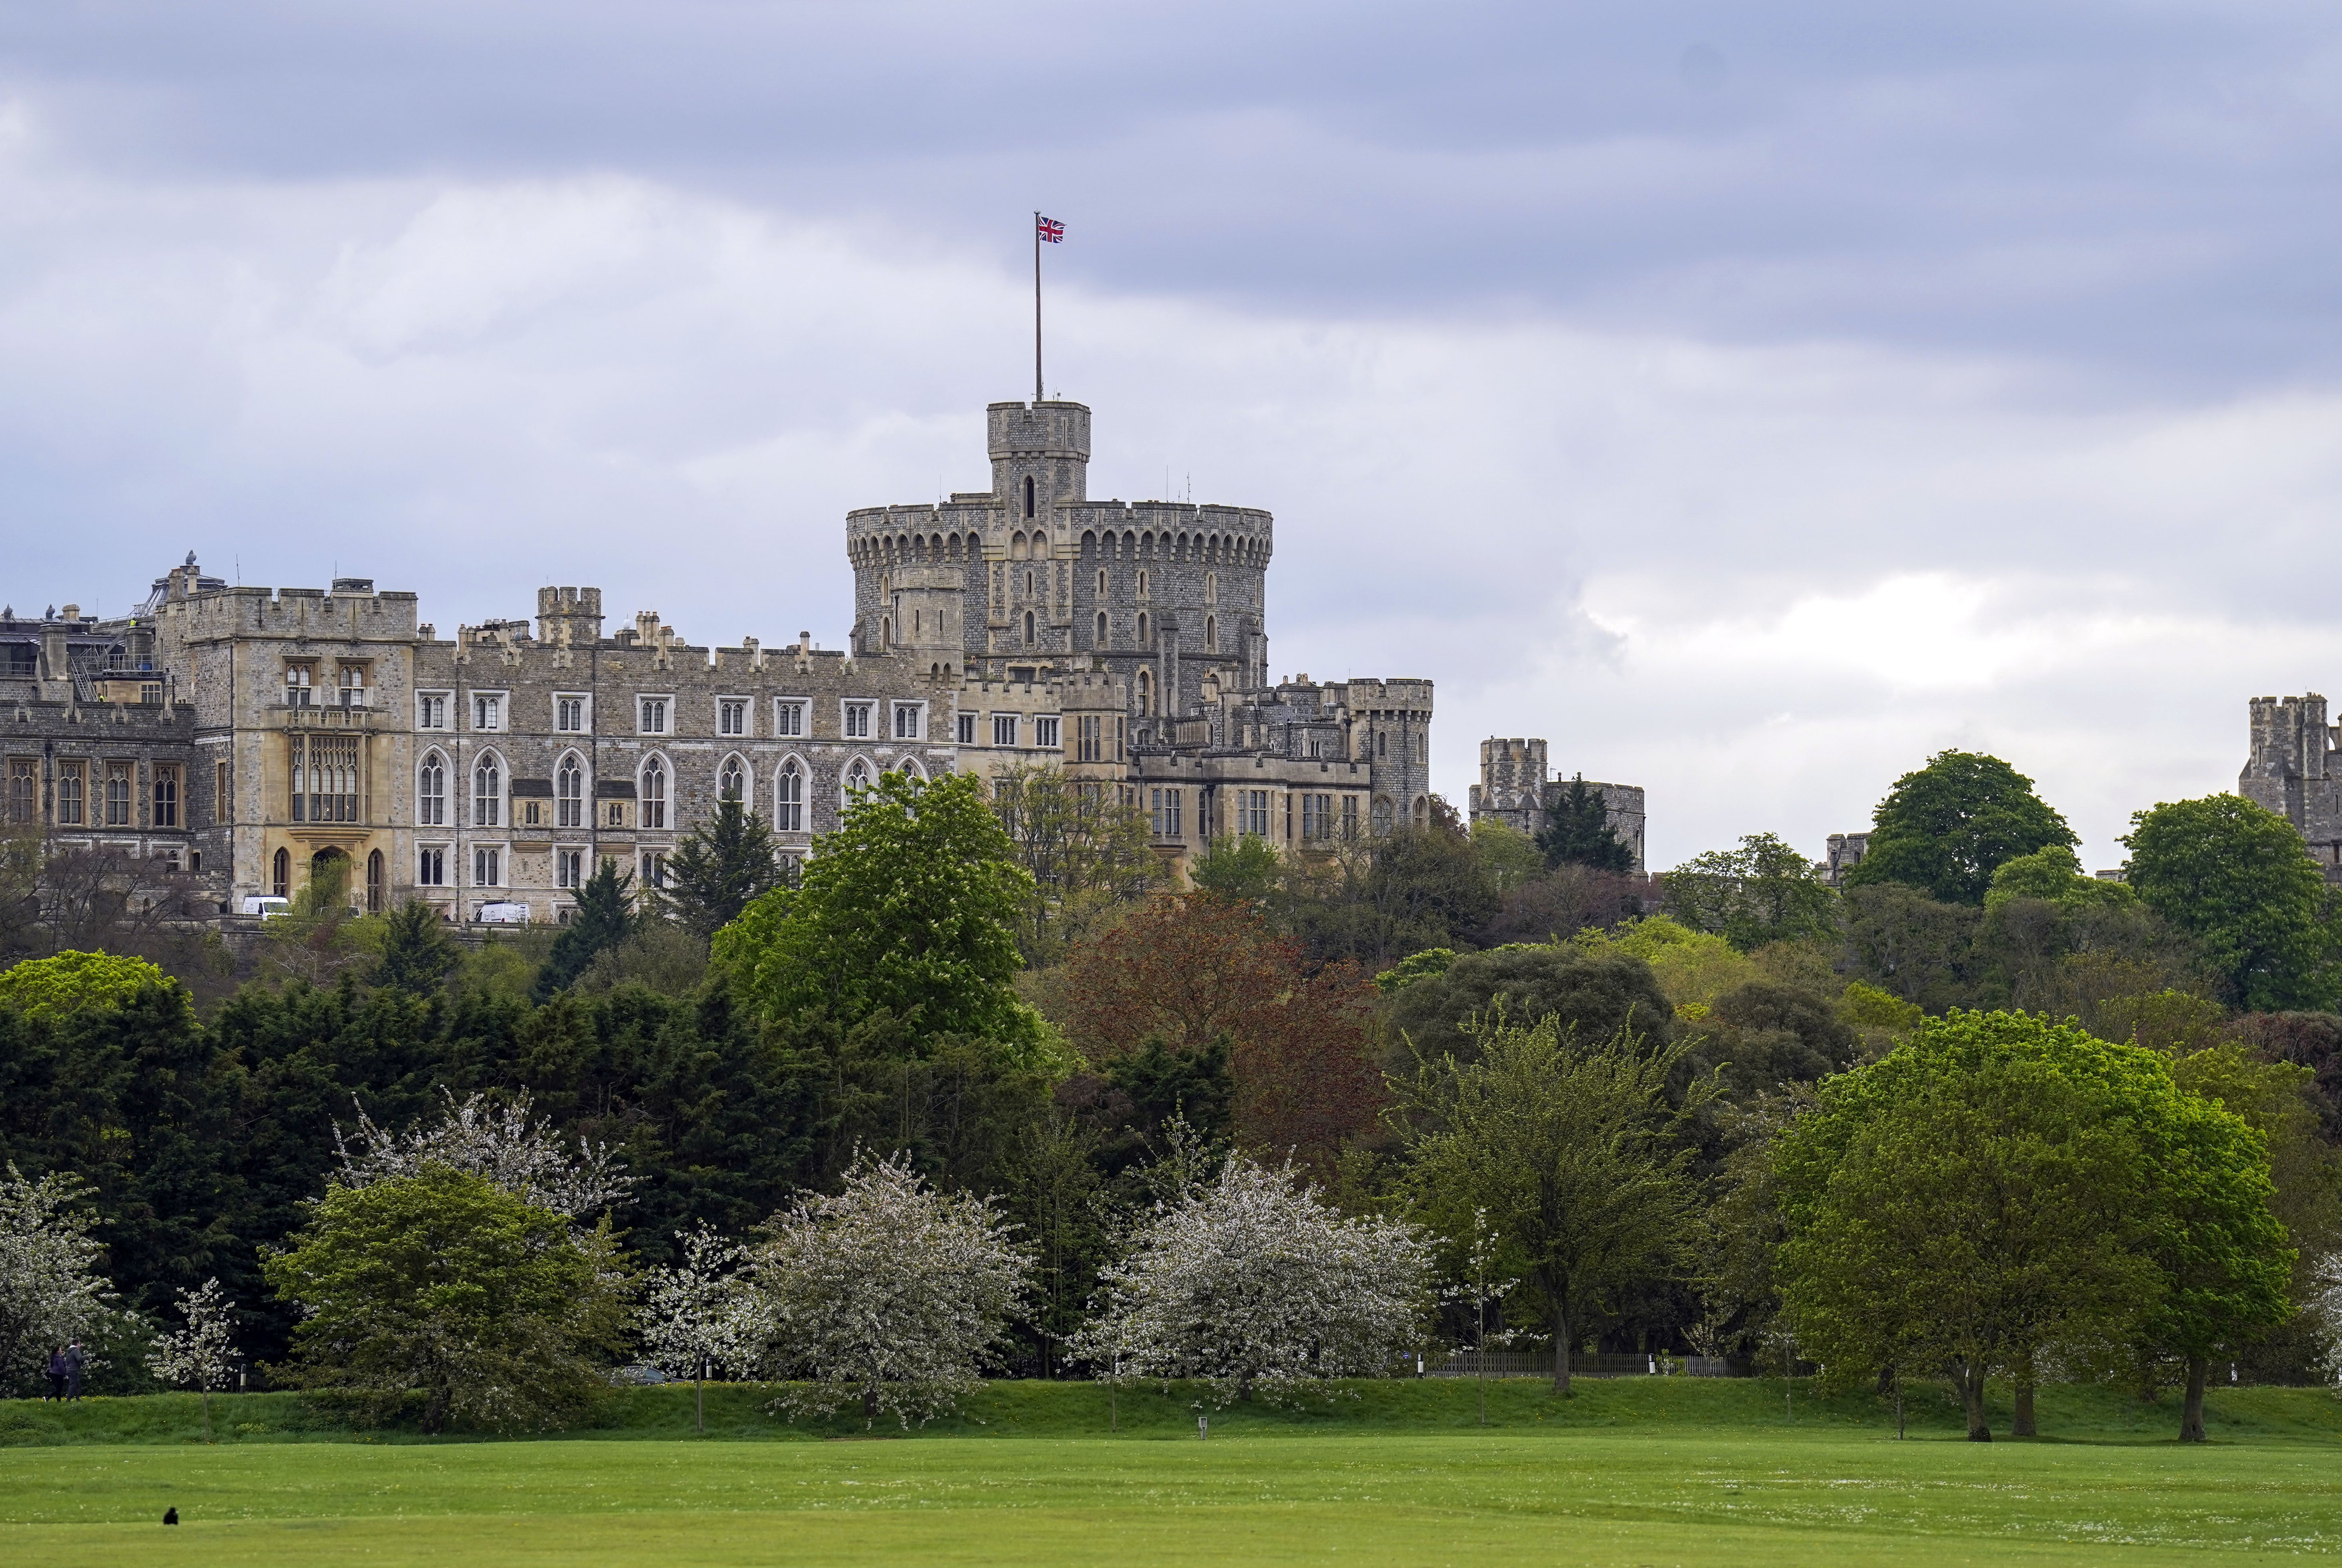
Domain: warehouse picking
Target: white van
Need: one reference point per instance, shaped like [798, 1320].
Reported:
[504, 914]
[267, 906]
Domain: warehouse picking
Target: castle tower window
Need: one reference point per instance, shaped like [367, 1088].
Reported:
[1382, 745]
[569, 869]
[374, 883]
[1142, 582]
[1044, 733]
[1101, 594]
[654, 794]
[431, 792]
[488, 711]
[788, 718]
[1028, 628]
[22, 792]
[788, 798]
[654, 716]
[296, 686]
[569, 713]
[886, 631]
[1101, 628]
[732, 784]
[488, 868]
[431, 711]
[488, 794]
[117, 794]
[569, 793]
[280, 881]
[1211, 633]
[431, 868]
[1349, 816]
[166, 797]
[907, 724]
[1146, 694]
[69, 794]
[353, 692]
[1028, 495]
[732, 716]
[654, 869]
[1142, 628]
[857, 779]
[1004, 729]
[1382, 816]
[857, 721]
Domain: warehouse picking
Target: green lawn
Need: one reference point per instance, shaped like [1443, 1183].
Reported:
[1642, 1473]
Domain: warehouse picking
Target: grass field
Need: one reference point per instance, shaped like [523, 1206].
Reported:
[1651, 1472]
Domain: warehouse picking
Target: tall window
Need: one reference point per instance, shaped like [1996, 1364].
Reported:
[569, 868]
[967, 729]
[296, 686]
[1316, 817]
[788, 718]
[654, 716]
[654, 869]
[1166, 812]
[281, 882]
[486, 868]
[1211, 633]
[1382, 816]
[1044, 733]
[1101, 628]
[430, 712]
[569, 793]
[1101, 593]
[732, 716]
[1028, 628]
[488, 795]
[857, 779]
[569, 713]
[374, 883]
[1029, 494]
[117, 794]
[353, 691]
[906, 721]
[219, 792]
[1004, 729]
[488, 711]
[1145, 693]
[1349, 816]
[857, 721]
[1252, 812]
[166, 797]
[1091, 749]
[325, 778]
[1142, 628]
[23, 792]
[654, 794]
[431, 868]
[431, 792]
[788, 799]
[70, 781]
[732, 782]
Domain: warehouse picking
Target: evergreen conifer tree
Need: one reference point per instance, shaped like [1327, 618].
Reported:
[416, 955]
[605, 917]
[1577, 832]
[719, 866]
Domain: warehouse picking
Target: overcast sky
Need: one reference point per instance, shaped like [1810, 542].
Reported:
[1750, 400]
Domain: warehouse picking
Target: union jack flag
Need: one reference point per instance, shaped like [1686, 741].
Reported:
[1051, 229]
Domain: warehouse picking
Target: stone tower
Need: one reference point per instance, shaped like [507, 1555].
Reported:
[1514, 790]
[2293, 772]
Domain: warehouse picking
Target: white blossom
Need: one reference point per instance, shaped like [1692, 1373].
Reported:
[1251, 1284]
[50, 1290]
[702, 1313]
[891, 1294]
[201, 1356]
[501, 1143]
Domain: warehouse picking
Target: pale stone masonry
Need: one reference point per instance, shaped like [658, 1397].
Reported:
[1516, 789]
[2294, 772]
[279, 729]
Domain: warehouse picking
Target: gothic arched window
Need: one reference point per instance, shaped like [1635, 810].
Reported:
[788, 798]
[1101, 629]
[569, 792]
[654, 794]
[1028, 495]
[857, 779]
[731, 783]
[431, 792]
[1028, 628]
[487, 793]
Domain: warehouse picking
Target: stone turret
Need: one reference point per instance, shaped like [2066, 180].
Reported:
[2292, 772]
[569, 617]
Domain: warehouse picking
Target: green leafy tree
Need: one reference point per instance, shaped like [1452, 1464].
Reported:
[1969, 1202]
[70, 981]
[2053, 874]
[719, 867]
[416, 955]
[1577, 830]
[1572, 1152]
[604, 918]
[447, 1283]
[1510, 857]
[1242, 870]
[2240, 880]
[1086, 850]
[1764, 891]
[910, 908]
[1947, 827]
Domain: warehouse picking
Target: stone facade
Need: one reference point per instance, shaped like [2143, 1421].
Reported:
[2294, 772]
[1514, 789]
[1125, 644]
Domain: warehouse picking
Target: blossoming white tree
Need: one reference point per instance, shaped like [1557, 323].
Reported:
[1252, 1283]
[200, 1355]
[503, 1143]
[702, 1313]
[50, 1289]
[890, 1293]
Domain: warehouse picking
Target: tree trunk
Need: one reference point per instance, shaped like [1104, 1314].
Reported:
[1969, 1376]
[207, 1415]
[434, 1411]
[869, 1402]
[2191, 1412]
[2021, 1423]
[1561, 1351]
[699, 1401]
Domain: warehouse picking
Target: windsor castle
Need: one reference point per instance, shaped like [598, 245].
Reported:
[239, 738]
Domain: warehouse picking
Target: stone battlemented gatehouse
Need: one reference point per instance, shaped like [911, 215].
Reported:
[246, 735]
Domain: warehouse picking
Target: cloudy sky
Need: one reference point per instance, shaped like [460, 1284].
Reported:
[1751, 399]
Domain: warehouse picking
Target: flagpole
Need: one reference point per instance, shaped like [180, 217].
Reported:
[1037, 308]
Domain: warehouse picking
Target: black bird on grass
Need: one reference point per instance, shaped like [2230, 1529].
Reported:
[170, 1516]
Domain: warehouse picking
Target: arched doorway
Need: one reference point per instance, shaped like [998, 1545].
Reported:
[329, 867]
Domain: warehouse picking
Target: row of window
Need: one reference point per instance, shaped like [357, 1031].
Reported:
[1006, 727]
[573, 715]
[93, 795]
[652, 782]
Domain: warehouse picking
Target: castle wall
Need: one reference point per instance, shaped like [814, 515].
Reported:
[2293, 772]
[1513, 789]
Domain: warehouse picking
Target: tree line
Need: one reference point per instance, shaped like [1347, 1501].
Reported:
[1670, 1112]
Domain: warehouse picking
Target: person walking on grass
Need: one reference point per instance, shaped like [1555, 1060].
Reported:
[74, 1361]
[56, 1373]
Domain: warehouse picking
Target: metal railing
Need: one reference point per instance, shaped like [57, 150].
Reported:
[1602, 1363]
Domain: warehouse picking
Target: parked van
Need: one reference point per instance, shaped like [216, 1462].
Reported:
[267, 906]
[504, 914]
